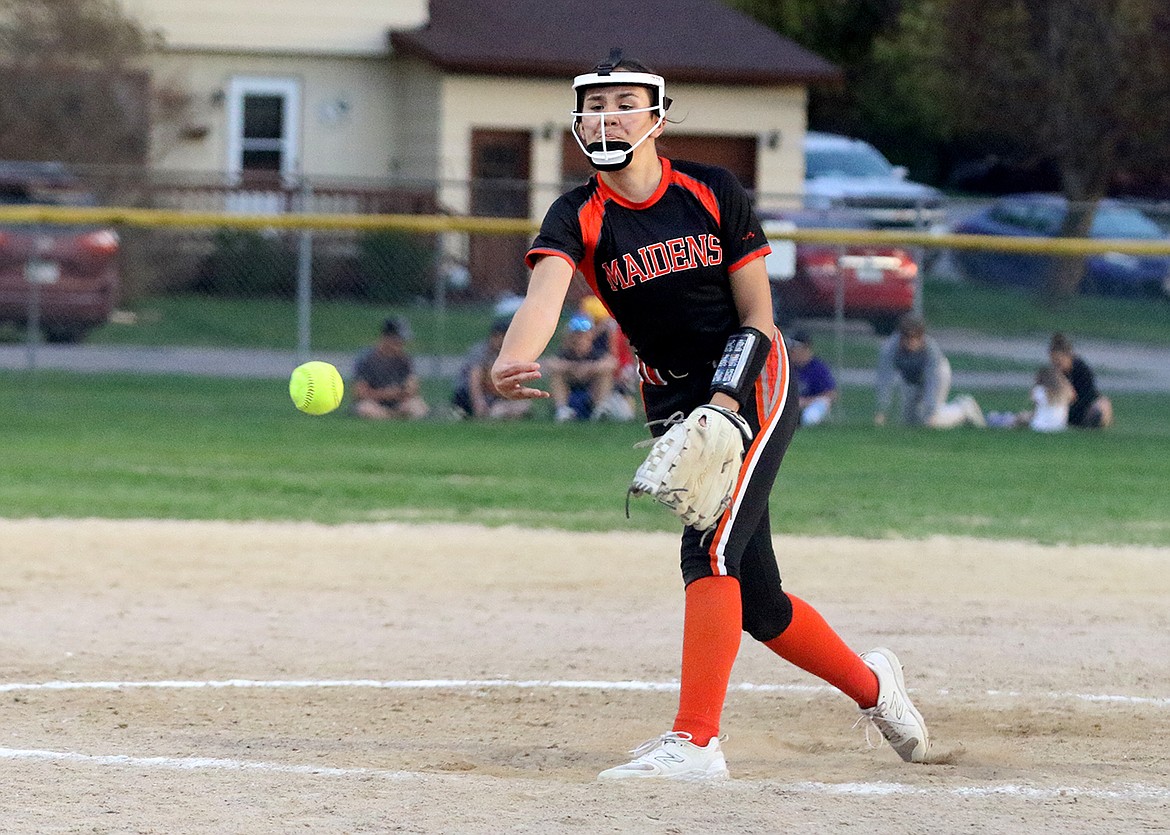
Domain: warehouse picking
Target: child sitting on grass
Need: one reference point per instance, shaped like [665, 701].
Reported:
[1051, 396]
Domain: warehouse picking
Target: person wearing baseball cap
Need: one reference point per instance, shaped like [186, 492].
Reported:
[474, 395]
[619, 405]
[818, 388]
[912, 365]
[581, 375]
[384, 383]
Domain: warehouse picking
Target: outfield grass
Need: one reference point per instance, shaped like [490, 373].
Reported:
[269, 323]
[1013, 312]
[126, 446]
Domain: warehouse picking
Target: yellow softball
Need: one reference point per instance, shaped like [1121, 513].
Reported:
[316, 387]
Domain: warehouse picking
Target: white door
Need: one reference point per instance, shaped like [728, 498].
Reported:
[264, 118]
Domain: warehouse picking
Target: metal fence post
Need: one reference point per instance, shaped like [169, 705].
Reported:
[919, 254]
[38, 272]
[439, 309]
[839, 310]
[33, 337]
[304, 281]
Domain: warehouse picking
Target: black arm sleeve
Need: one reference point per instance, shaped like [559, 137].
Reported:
[743, 360]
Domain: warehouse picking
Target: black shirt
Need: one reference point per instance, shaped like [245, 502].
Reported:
[1085, 385]
[662, 267]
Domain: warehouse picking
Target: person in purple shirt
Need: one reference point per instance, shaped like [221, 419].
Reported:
[818, 389]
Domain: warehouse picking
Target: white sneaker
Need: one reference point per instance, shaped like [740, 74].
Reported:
[973, 412]
[616, 407]
[672, 756]
[565, 414]
[894, 714]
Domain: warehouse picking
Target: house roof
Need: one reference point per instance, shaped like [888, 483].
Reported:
[684, 40]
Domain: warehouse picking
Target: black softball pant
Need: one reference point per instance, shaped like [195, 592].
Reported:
[740, 545]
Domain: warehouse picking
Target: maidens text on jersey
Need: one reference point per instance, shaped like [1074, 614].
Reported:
[663, 258]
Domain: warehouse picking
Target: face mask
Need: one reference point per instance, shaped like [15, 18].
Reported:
[615, 154]
[612, 154]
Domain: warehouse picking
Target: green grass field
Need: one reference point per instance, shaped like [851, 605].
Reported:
[125, 446]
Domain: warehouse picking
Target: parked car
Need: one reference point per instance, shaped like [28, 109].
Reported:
[73, 270]
[876, 282]
[841, 172]
[1042, 216]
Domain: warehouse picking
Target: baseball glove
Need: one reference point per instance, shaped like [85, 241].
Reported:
[693, 467]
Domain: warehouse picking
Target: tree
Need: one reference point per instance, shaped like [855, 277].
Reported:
[882, 99]
[73, 83]
[841, 31]
[1086, 82]
[1078, 86]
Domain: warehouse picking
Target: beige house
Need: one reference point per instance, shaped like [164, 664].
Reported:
[287, 87]
[468, 102]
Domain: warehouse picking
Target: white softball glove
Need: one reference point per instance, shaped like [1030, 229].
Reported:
[693, 467]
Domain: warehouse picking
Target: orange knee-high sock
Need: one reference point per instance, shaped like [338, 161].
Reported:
[811, 644]
[712, 627]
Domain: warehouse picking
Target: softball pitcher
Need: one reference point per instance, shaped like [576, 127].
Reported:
[675, 251]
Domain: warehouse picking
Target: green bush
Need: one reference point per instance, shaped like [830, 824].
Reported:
[248, 263]
[395, 267]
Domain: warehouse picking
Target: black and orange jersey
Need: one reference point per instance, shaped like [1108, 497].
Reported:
[662, 266]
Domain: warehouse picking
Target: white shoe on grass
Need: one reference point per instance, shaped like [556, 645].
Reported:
[972, 411]
[672, 756]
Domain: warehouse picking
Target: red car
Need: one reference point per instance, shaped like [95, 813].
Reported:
[876, 283]
[68, 275]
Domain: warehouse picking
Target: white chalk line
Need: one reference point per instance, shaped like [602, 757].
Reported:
[504, 683]
[1126, 791]
[1131, 792]
[198, 764]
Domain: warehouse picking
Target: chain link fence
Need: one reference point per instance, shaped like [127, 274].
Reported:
[224, 280]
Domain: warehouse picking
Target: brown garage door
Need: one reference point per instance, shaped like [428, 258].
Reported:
[500, 170]
[735, 153]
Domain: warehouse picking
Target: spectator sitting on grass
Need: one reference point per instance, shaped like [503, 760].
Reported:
[475, 396]
[581, 375]
[1051, 396]
[912, 363]
[818, 389]
[1089, 409]
[384, 383]
[620, 404]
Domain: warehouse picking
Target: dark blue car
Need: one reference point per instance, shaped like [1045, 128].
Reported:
[1041, 216]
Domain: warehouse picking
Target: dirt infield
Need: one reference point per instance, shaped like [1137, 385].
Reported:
[162, 677]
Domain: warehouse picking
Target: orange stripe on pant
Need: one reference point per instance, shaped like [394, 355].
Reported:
[771, 396]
